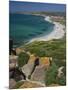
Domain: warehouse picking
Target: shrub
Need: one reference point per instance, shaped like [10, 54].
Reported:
[51, 74]
[62, 80]
[23, 59]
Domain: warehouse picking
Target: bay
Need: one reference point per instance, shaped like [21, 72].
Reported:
[24, 27]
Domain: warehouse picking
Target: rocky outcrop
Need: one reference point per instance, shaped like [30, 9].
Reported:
[27, 69]
[36, 72]
[31, 84]
[14, 71]
[33, 70]
[39, 74]
[42, 60]
[45, 61]
[12, 65]
[12, 61]
[17, 74]
[60, 72]
[18, 51]
[13, 58]
[32, 58]
[12, 83]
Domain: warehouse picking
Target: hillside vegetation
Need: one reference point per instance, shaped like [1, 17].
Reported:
[55, 49]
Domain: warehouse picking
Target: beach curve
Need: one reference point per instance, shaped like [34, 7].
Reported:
[57, 33]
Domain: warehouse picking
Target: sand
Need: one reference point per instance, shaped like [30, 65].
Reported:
[57, 33]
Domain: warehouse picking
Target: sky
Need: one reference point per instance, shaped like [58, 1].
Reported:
[20, 6]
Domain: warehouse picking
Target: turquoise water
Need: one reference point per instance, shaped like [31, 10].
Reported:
[25, 27]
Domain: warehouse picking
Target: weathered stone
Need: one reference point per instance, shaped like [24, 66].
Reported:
[12, 83]
[39, 74]
[17, 74]
[30, 84]
[27, 69]
[12, 61]
[12, 65]
[44, 61]
[32, 58]
[11, 74]
[28, 53]
[18, 51]
[60, 72]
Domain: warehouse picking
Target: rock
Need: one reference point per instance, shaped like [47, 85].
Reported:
[32, 58]
[12, 83]
[44, 61]
[12, 65]
[17, 74]
[13, 58]
[60, 72]
[27, 69]
[28, 53]
[12, 61]
[39, 74]
[18, 51]
[31, 84]
[11, 74]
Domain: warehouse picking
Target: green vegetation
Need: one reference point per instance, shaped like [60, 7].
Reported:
[62, 80]
[23, 59]
[51, 74]
[54, 48]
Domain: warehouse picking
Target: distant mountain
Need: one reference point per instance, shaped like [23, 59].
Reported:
[47, 13]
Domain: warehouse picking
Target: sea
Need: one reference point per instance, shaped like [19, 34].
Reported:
[24, 27]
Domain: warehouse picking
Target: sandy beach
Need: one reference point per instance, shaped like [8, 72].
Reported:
[57, 33]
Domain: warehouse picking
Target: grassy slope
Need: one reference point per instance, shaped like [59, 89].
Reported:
[53, 48]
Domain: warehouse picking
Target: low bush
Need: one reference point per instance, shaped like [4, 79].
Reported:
[23, 59]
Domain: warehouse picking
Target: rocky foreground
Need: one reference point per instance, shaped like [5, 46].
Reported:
[33, 78]
[32, 74]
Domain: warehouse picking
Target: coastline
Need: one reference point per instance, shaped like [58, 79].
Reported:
[57, 33]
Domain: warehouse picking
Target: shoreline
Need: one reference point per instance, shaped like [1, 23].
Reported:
[57, 33]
